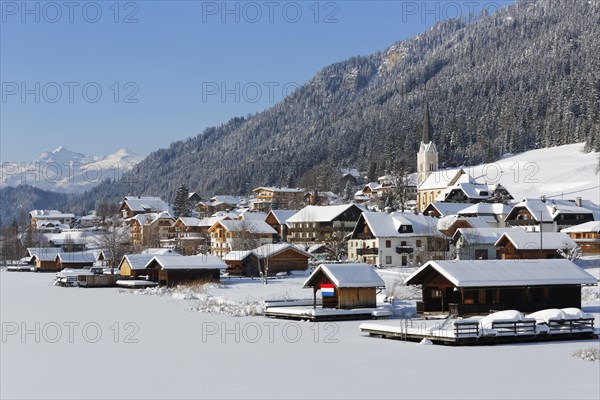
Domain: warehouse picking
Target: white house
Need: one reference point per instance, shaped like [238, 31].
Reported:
[396, 239]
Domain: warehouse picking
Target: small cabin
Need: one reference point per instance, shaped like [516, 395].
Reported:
[242, 263]
[345, 286]
[282, 257]
[170, 271]
[470, 287]
[75, 260]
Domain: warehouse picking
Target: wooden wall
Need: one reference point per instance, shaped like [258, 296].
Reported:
[288, 260]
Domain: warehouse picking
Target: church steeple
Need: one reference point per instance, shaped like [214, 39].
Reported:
[427, 130]
[427, 158]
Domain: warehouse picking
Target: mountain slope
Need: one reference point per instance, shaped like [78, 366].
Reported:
[523, 78]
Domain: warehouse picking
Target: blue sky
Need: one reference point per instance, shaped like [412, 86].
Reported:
[99, 76]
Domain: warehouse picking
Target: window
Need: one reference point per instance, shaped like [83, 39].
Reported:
[403, 243]
[404, 261]
[388, 260]
[388, 244]
[418, 242]
[436, 293]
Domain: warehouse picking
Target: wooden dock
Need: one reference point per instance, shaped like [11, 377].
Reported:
[325, 314]
[469, 332]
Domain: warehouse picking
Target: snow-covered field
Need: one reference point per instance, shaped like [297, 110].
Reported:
[113, 343]
[557, 172]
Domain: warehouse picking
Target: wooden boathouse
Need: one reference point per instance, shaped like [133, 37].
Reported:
[469, 287]
[345, 286]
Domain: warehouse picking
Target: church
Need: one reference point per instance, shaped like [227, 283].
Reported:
[452, 185]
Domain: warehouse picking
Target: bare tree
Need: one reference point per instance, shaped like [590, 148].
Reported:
[115, 242]
[337, 246]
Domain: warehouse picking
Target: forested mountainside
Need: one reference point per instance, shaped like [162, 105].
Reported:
[525, 77]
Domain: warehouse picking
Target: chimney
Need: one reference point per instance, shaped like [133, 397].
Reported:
[578, 201]
[388, 210]
[543, 198]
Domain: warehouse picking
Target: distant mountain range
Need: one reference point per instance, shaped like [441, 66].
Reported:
[62, 170]
[525, 77]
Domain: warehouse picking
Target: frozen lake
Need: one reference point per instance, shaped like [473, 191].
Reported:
[109, 343]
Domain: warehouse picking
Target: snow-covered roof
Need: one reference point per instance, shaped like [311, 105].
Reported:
[224, 199]
[50, 214]
[523, 240]
[159, 251]
[77, 257]
[238, 255]
[383, 224]
[550, 208]
[139, 261]
[202, 261]
[226, 214]
[443, 178]
[476, 191]
[189, 221]
[145, 204]
[279, 189]
[480, 235]
[252, 226]
[485, 209]
[448, 208]
[283, 215]
[320, 213]
[591, 226]
[44, 253]
[355, 275]
[248, 215]
[269, 250]
[350, 171]
[447, 221]
[501, 273]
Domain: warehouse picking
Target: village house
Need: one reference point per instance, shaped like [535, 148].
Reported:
[550, 215]
[229, 235]
[472, 192]
[345, 286]
[277, 219]
[477, 243]
[54, 217]
[50, 226]
[170, 271]
[449, 224]
[396, 239]
[520, 244]
[316, 198]
[268, 197]
[220, 203]
[439, 209]
[89, 221]
[467, 287]
[323, 223]
[350, 176]
[189, 235]
[586, 236]
[492, 213]
[249, 214]
[152, 230]
[134, 205]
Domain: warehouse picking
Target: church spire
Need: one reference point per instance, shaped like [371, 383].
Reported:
[427, 129]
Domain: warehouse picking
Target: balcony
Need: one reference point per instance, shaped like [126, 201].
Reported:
[367, 251]
[404, 250]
